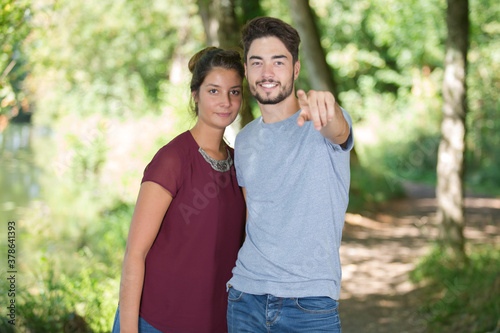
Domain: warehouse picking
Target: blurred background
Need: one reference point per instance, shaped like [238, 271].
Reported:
[91, 89]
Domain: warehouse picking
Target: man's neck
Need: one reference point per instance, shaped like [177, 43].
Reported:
[273, 113]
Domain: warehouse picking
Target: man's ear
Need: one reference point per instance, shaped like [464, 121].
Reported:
[296, 69]
[246, 75]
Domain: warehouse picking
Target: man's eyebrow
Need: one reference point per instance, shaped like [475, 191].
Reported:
[255, 57]
[281, 56]
[278, 56]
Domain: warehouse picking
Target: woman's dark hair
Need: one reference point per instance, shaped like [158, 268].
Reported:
[203, 62]
[261, 27]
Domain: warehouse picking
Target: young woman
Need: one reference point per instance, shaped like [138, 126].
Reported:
[188, 222]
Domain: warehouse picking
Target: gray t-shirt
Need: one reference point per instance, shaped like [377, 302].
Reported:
[297, 185]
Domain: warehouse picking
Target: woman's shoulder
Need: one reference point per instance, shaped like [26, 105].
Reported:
[169, 163]
[182, 144]
[176, 151]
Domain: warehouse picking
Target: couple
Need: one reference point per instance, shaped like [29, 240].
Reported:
[188, 225]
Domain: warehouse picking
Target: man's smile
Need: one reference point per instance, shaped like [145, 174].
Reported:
[267, 84]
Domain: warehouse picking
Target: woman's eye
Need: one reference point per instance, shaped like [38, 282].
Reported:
[213, 91]
[236, 92]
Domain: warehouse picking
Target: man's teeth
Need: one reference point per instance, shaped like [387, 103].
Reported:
[269, 85]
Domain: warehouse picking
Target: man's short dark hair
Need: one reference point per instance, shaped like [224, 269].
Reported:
[261, 27]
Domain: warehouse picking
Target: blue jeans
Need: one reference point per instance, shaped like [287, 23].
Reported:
[144, 326]
[268, 313]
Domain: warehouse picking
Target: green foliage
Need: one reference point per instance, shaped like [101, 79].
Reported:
[247, 10]
[366, 38]
[94, 63]
[56, 311]
[388, 69]
[370, 187]
[413, 158]
[13, 14]
[460, 298]
[387, 58]
[71, 245]
[72, 278]
[483, 81]
[59, 298]
[279, 9]
[14, 29]
[109, 57]
[90, 154]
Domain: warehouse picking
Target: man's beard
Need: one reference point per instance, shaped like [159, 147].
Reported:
[283, 94]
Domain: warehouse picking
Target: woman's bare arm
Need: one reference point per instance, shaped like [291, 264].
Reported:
[152, 204]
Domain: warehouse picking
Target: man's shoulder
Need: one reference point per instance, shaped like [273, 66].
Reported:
[248, 129]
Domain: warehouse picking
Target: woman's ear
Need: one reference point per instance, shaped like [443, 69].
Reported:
[195, 96]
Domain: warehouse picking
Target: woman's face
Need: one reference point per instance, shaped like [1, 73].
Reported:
[219, 97]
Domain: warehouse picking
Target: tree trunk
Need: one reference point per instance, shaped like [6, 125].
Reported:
[208, 16]
[222, 30]
[320, 74]
[250, 10]
[451, 152]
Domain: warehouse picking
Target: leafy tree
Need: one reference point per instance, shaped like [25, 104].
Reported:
[483, 90]
[389, 67]
[14, 28]
[247, 10]
[108, 57]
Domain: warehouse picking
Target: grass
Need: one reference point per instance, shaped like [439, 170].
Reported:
[460, 297]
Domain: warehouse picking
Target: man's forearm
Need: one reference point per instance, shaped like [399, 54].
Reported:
[337, 129]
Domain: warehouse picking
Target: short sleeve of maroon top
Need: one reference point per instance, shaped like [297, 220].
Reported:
[191, 259]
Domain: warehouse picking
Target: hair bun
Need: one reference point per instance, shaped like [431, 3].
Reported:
[194, 59]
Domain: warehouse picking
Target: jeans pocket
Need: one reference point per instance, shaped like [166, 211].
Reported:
[317, 304]
[234, 295]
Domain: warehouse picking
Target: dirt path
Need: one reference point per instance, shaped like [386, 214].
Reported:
[380, 249]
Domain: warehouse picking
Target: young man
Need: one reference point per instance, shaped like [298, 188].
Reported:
[293, 166]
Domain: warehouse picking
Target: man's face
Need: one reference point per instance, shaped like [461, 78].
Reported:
[270, 70]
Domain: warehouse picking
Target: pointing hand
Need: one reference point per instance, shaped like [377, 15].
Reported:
[316, 106]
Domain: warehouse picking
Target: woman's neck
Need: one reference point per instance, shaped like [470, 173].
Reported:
[210, 140]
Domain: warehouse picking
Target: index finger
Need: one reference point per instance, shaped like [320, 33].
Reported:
[313, 108]
[303, 101]
[304, 106]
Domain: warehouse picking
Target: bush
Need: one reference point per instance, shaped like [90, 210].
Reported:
[460, 298]
[73, 286]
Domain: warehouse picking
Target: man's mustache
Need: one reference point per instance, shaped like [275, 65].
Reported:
[267, 81]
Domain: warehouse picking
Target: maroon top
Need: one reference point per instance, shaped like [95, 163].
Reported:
[195, 250]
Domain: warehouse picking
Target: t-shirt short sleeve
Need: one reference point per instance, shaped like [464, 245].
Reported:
[237, 151]
[165, 169]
